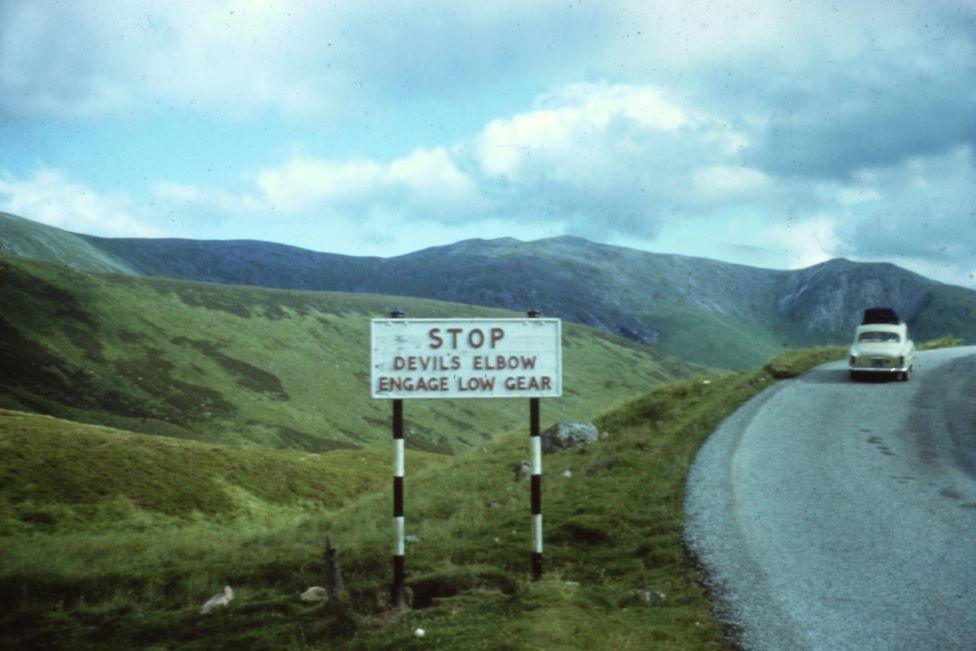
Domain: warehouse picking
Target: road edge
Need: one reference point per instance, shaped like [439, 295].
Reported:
[705, 514]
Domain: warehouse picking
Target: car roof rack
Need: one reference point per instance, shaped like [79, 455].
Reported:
[880, 315]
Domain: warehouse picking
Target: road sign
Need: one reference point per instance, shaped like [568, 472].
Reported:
[466, 358]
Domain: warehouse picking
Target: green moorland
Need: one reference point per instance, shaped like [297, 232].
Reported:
[57, 476]
[258, 367]
[613, 526]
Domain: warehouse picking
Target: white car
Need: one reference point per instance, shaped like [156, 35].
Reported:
[882, 348]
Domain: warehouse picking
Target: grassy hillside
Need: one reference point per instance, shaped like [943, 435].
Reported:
[947, 310]
[647, 297]
[613, 526]
[29, 239]
[57, 476]
[706, 338]
[252, 366]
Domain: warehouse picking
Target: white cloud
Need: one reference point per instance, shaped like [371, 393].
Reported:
[305, 182]
[598, 158]
[615, 159]
[565, 121]
[612, 157]
[48, 196]
[423, 180]
[432, 173]
[807, 242]
[729, 181]
[424, 185]
[602, 103]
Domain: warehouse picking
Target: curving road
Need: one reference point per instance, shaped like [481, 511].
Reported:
[838, 515]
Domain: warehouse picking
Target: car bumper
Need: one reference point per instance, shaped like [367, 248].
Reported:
[876, 369]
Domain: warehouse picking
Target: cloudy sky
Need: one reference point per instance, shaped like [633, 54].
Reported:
[776, 134]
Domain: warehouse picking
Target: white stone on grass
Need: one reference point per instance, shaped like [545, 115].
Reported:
[218, 601]
[315, 593]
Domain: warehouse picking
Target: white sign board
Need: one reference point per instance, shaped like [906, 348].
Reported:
[467, 358]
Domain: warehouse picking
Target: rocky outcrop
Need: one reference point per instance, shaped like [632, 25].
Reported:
[565, 435]
[826, 301]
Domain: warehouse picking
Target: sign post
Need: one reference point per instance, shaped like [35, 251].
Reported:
[399, 523]
[536, 497]
[465, 358]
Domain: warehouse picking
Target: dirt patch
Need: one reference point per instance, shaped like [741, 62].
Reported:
[427, 590]
[581, 532]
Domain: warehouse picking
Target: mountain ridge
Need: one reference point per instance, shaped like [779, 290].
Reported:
[705, 311]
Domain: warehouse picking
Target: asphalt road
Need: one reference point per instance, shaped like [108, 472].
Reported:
[836, 515]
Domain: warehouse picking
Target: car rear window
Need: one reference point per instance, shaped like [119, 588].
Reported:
[879, 336]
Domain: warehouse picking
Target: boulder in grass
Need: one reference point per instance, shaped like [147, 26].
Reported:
[566, 435]
[315, 593]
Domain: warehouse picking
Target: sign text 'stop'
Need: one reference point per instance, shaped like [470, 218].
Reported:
[466, 358]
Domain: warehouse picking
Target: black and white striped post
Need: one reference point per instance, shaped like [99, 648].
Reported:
[399, 523]
[536, 482]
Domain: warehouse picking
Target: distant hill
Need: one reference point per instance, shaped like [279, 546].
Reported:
[701, 310]
[255, 366]
[29, 239]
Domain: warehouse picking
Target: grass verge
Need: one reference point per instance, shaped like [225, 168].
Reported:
[944, 342]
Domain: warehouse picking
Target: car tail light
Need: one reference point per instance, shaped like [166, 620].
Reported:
[901, 361]
[853, 360]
